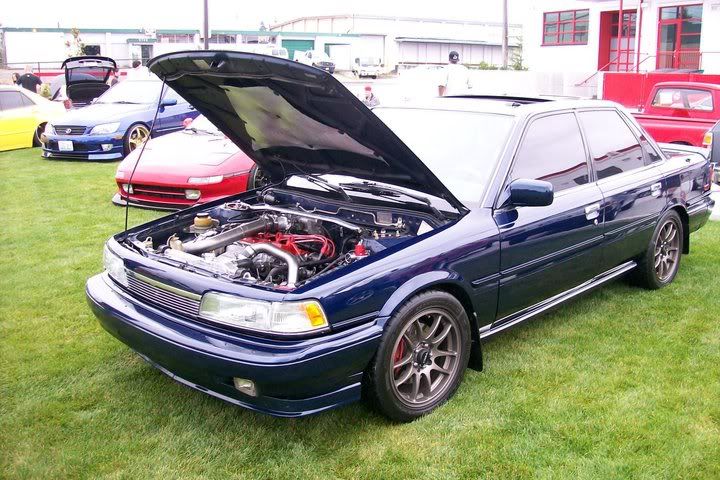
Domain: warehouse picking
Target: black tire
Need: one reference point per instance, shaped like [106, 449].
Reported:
[128, 144]
[36, 136]
[659, 265]
[383, 384]
[257, 179]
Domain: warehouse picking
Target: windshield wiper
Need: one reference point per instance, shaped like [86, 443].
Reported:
[386, 191]
[200, 130]
[321, 182]
[124, 102]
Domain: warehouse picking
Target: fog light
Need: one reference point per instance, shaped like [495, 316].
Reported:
[192, 194]
[128, 188]
[245, 386]
[106, 146]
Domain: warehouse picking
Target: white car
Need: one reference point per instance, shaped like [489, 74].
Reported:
[315, 58]
[367, 67]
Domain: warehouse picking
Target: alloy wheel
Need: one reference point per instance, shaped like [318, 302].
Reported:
[425, 358]
[137, 136]
[667, 250]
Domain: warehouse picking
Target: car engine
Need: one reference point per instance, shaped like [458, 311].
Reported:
[277, 246]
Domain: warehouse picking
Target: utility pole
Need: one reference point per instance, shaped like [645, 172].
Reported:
[504, 36]
[206, 27]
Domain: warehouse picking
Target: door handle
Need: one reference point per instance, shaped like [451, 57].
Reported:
[656, 189]
[592, 212]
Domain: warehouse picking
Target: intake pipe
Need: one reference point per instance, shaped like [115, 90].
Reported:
[248, 229]
[287, 257]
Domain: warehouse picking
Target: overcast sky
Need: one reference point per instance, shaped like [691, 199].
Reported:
[231, 14]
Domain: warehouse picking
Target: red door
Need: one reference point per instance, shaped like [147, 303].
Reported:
[679, 37]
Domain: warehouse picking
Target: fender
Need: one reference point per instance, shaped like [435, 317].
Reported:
[409, 288]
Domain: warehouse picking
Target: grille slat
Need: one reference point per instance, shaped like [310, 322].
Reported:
[70, 129]
[162, 298]
[158, 191]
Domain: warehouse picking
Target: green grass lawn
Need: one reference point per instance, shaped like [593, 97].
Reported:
[622, 383]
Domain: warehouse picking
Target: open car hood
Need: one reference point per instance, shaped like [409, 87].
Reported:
[85, 77]
[291, 118]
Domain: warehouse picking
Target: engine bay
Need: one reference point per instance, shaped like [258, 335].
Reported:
[280, 246]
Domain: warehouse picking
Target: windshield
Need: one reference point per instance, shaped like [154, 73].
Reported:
[460, 148]
[130, 91]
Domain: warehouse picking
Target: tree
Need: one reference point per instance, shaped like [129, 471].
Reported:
[75, 46]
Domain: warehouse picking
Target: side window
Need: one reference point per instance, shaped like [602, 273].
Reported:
[651, 155]
[170, 93]
[552, 150]
[11, 100]
[27, 101]
[612, 144]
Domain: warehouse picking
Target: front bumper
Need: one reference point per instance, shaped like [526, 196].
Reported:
[85, 147]
[293, 378]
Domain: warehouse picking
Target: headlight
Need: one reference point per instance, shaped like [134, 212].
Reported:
[205, 180]
[272, 317]
[105, 128]
[191, 194]
[114, 266]
[49, 129]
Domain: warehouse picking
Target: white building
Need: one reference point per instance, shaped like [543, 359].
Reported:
[398, 41]
[584, 36]
[48, 47]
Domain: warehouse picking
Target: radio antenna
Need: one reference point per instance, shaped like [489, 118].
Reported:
[142, 150]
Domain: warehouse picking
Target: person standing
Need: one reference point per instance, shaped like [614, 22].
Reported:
[29, 81]
[369, 99]
[456, 77]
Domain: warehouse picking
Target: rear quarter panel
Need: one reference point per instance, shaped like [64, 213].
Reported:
[668, 129]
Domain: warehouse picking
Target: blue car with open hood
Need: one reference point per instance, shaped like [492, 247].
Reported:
[116, 122]
[389, 243]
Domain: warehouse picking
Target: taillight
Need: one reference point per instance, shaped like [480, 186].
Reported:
[710, 176]
[707, 139]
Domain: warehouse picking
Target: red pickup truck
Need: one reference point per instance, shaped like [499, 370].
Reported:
[681, 112]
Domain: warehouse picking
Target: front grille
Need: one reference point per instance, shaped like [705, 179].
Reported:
[77, 147]
[158, 191]
[69, 130]
[163, 296]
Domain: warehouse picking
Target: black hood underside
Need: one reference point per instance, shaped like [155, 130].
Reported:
[291, 118]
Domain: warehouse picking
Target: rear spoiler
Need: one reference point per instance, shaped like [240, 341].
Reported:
[674, 149]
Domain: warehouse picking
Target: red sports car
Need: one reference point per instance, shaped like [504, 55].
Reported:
[196, 165]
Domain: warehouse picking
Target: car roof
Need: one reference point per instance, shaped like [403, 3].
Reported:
[712, 86]
[501, 105]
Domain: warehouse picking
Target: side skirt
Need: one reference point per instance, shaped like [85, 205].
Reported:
[551, 302]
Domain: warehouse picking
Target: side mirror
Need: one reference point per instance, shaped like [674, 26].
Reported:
[530, 193]
[168, 102]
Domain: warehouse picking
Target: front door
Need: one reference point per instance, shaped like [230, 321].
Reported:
[547, 250]
[17, 120]
[678, 43]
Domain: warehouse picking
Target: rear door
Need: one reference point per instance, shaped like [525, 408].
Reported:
[547, 250]
[626, 166]
[17, 120]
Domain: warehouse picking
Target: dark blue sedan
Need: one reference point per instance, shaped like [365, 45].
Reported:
[389, 243]
[116, 123]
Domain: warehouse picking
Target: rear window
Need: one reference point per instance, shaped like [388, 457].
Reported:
[684, 98]
[460, 148]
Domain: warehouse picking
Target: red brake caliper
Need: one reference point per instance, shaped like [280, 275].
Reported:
[398, 355]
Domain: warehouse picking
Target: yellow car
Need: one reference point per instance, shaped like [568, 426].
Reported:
[23, 116]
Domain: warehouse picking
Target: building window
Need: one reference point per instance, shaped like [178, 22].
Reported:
[175, 37]
[624, 57]
[223, 39]
[679, 38]
[566, 28]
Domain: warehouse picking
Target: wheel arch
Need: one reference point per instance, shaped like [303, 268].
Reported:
[685, 219]
[438, 280]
